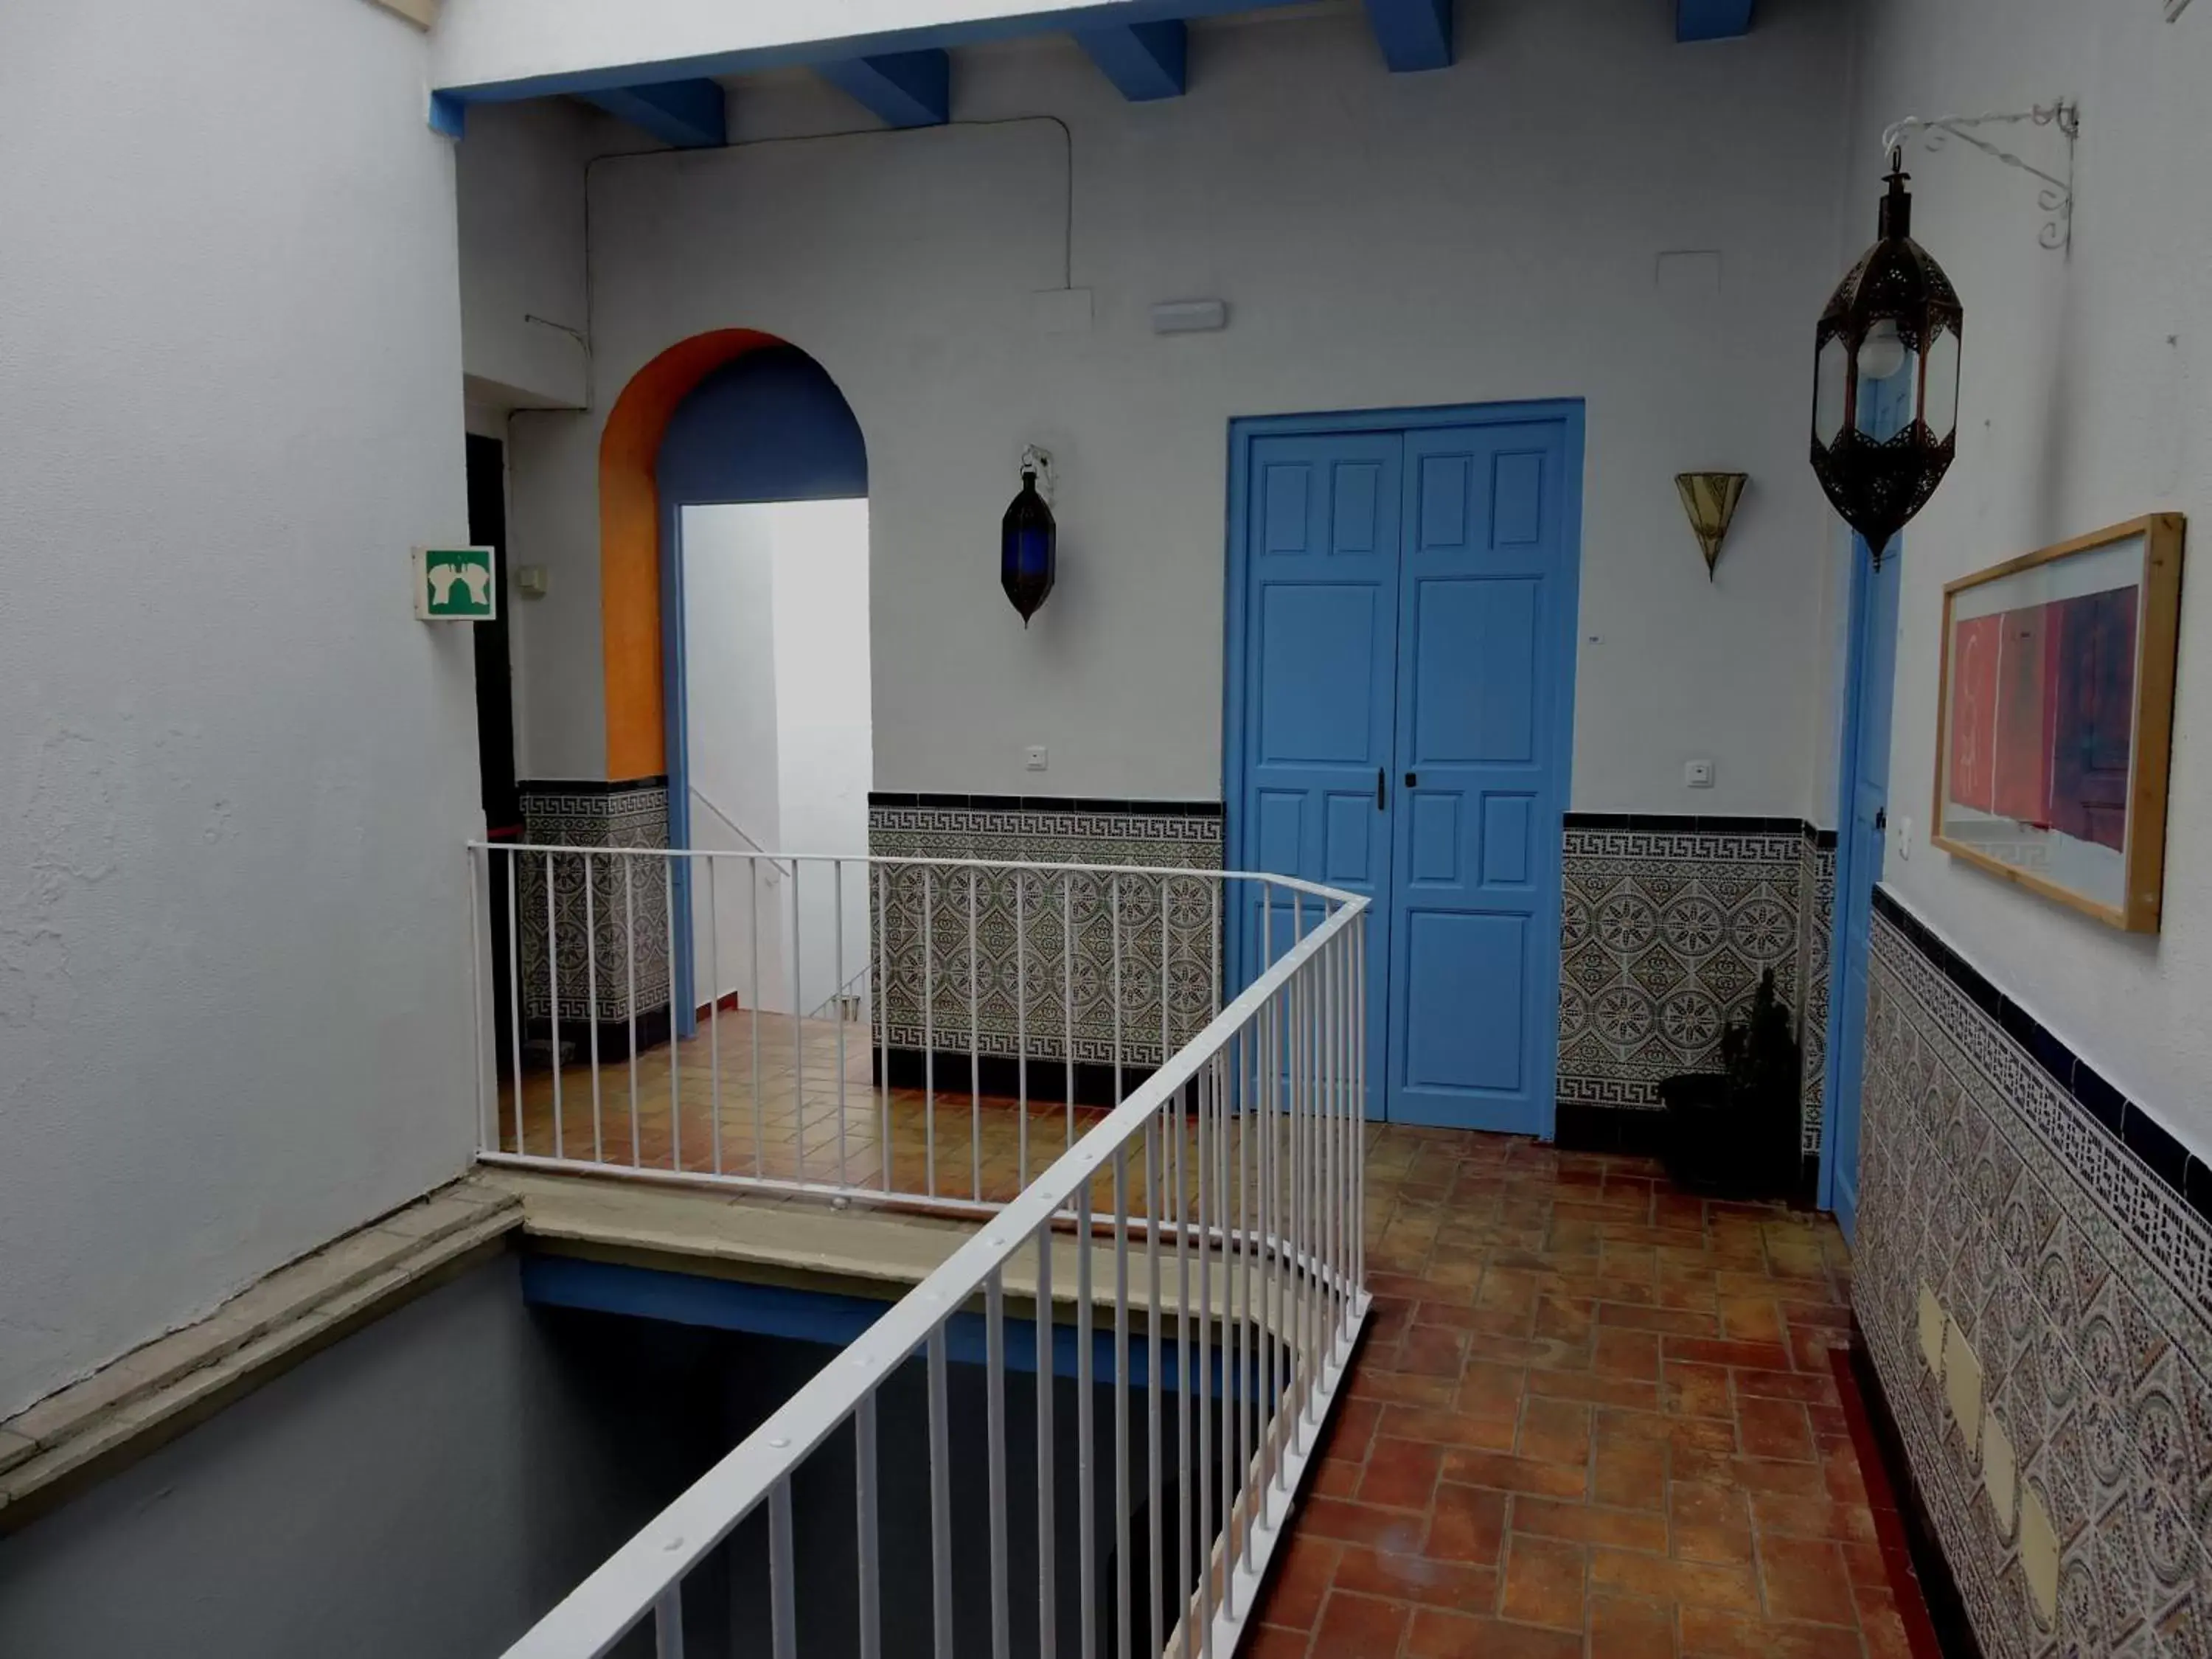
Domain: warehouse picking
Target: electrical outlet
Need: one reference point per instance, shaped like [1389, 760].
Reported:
[1698, 774]
[1035, 759]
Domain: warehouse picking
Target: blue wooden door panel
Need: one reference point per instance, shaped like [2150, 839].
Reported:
[1320, 609]
[1485, 631]
[1864, 798]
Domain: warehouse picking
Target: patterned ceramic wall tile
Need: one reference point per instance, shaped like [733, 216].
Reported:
[624, 932]
[1061, 992]
[2083, 1283]
[1816, 905]
[1664, 934]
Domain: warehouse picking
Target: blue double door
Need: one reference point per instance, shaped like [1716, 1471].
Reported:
[1402, 616]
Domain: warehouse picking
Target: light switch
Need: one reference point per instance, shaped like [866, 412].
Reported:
[1698, 774]
[1034, 758]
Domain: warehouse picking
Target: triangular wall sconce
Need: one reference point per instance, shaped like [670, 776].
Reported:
[1710, 499]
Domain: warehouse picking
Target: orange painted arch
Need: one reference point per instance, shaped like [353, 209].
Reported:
[630, 543]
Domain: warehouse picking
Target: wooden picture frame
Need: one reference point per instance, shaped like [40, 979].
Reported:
[2054, 719]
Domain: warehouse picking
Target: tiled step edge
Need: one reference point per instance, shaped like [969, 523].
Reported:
[120, 1413]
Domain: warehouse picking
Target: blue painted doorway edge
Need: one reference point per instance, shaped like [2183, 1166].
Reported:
[1244, 429]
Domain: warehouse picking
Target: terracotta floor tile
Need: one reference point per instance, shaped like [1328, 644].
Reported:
[1301, 1583]
[1628, 1354]
[1506, 1472]
[1708, 1633]
[1709, 1522]
[1812, 1517]
[1466, 1524]
[1360, 1626]
[1698, 1390]
[1805, 1578]
[1272, 1642]
[1630, 1474]
[1584, 1523]
[1401, 1473]
[1681, 1323]
[1457, 1635]
[1775, 1429]
[1447, 1428]
[1661, 1578]
[1699, 1350]
[1544, 1581]
[1625, 1392]
[1415, 1577]
[1623, 1628]
[1358, 1523]
[1554, 1430]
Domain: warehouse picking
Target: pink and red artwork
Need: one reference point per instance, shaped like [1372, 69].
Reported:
[2042, 707]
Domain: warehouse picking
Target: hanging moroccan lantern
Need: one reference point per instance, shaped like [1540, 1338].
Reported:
[1026, 542]
[1886, 379]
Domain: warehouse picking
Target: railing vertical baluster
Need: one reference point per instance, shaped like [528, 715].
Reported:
[975, 1052]
[515, 997]
[1359, 1085]
[1155, 1217]
[940, 1499]
[1086, 1570]
[668, 1622]
[1123, 1616]
[994, 1415]
[880, 945]
[553, 995]
[1067, 1002]
[782, 1571]
[1204, 1529]
[487, 1108]
[675, 1026]
[1301, 1262]
[1047, 1599]
[1184, 1389]
[837, 1004]
[929, 1029]
[629, 963]
[1114, 905]
[870, 1539]
[798, 1031]
[713, 1006]
[753, 996]
[1021, 1026]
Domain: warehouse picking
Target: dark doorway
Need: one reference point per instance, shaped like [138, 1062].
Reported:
[503, 800]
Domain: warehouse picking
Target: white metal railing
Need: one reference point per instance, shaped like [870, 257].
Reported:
[1232, 1194]
[1046, 985]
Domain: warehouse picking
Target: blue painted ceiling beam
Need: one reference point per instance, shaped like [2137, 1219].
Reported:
[1414, 34]
[1143, 60]
[904, 88]
[1711, 20]
[685, 113]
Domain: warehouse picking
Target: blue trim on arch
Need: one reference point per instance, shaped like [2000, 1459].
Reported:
[1058, 20]
[902, 88]
[1712, 20]
[770, 426]
[1243, 431]
[687, 114]
[1144, 61]
[1414, 34]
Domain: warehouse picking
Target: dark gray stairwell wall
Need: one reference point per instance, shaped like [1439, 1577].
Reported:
[425, 1488]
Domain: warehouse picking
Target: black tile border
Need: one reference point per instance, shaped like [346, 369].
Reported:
[998, 1077]
[1677, 824]
[588, 786]
[2185, 1175]
[1165, 809]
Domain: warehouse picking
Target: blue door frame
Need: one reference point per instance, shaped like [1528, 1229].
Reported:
[1243, 432]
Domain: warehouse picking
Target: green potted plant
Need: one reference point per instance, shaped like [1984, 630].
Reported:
[1733, 1134]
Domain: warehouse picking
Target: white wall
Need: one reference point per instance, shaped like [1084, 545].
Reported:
[730, 685]
[775, 622]
[483, 40]
[234, 932]
[1489, 232]
[825, 747]
[429, 1486]
[519, 177]
[2085, 398]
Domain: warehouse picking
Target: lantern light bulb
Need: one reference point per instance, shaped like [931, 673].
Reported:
[1881, 353]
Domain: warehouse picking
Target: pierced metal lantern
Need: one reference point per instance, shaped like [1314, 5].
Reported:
[1026, 541]
[1886, 379]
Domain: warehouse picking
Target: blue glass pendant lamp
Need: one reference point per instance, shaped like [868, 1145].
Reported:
[1027, 537]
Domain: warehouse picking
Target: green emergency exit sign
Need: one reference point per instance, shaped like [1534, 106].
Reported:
[455, 584]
